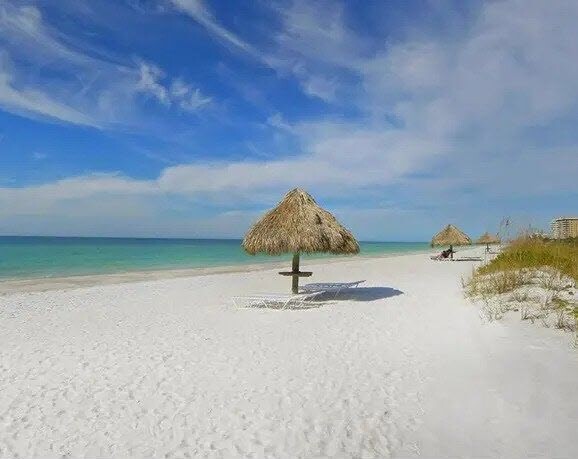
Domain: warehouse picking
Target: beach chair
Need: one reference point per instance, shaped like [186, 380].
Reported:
[333, 287]
[282, 301]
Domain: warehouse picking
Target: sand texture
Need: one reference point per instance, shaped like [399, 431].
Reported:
[400, 367]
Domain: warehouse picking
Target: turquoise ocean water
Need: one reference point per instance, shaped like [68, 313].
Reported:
[29, 257]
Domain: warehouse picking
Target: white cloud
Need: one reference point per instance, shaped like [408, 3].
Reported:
[187, 97]
[515, 67]
[311, 34]
[464, 114]
[278, 122]
[148, 83]
[315, 31]
[39, 198]
[31, 102]
[199, 12]
[178, 93]
[318, 86]
[80, 88]
[23, 27]
[314, 45]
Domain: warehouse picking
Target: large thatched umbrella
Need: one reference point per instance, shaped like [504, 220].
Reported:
[451, 235]
[488, 239]
[298, 225]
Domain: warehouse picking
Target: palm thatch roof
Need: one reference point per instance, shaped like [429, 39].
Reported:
[296, 225]
[488, 238]
[451, 235]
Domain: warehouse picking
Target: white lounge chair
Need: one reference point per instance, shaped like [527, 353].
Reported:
[330, 286]
[274, 299]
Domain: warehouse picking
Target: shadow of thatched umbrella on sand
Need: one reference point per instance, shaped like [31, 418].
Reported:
[358, 294]
[298, 225]
[363, 294]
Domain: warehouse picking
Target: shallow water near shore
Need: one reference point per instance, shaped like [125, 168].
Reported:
[38, 257]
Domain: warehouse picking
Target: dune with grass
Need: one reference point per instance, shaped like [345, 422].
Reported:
[534, 277]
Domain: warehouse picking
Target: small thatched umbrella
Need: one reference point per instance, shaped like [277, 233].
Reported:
[451, 235]
[298, 225]
[488, 239]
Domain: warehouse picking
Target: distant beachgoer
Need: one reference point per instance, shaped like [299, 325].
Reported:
[445, 254]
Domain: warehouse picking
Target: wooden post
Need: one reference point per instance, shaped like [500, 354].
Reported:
[295, 270]
[452, 251]
[295, 273]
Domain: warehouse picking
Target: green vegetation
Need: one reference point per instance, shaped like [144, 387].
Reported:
[526, 253]
[537, 277]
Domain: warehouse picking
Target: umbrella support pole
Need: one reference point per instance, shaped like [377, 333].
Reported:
[295, 269]
[295, 273]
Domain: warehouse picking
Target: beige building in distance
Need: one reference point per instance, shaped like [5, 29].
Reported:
[565, 227]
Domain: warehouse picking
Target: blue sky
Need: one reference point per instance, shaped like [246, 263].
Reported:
[190, 118]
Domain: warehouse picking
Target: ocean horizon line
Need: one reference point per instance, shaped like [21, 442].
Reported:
[171, 238]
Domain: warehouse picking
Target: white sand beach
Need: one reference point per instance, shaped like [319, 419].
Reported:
[401, 367]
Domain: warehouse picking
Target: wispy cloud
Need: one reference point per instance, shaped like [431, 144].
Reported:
[319, 86]
[312, 34]
[315, 32]
[187, 97]
[80, 89]
[199, 12]
[461, 102]
[446, 121]
[176, 93]
[34, 103]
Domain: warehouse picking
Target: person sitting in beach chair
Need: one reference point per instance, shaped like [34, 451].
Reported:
[444, 255]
